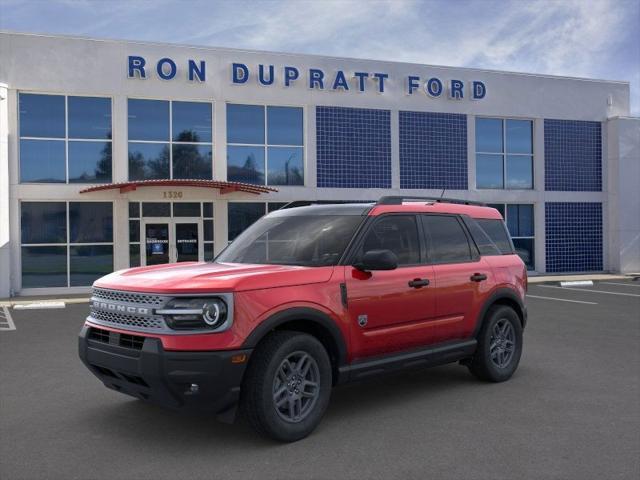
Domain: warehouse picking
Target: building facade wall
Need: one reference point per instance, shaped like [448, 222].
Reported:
[357, 145]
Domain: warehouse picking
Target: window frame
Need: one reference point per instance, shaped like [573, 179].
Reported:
[266, 145]
[473, 248]
[170, 142]
[66, 139]
[67, 243]
[504, 154]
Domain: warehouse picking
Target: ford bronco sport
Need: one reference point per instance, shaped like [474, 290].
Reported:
[311, 297]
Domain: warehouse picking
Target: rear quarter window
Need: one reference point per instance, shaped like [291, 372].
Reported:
[493, 238]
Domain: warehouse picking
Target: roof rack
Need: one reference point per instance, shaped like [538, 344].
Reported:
[397, 200]
[305, 203]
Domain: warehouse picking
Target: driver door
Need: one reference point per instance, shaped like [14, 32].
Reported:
[390, 310]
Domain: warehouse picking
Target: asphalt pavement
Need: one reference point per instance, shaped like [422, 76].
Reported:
[572, 411]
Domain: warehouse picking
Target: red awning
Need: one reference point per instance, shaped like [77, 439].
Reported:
[224, 187]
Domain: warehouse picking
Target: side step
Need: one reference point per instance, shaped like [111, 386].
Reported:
[427, 357]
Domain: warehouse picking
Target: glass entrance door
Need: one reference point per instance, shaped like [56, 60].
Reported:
[156, 241]
[170, 240]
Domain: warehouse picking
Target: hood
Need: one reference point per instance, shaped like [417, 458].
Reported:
[192, 277]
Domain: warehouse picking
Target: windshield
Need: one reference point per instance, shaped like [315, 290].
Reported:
[306, 240]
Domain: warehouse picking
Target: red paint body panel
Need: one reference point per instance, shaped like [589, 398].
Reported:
[398, 317]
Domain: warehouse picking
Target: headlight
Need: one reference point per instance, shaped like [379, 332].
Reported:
[195, 313]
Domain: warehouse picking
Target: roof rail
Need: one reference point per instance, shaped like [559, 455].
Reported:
[305, 203]
[397, 200]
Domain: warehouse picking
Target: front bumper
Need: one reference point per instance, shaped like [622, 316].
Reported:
[140, 367]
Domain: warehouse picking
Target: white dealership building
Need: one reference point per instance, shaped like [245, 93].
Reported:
[118, 153]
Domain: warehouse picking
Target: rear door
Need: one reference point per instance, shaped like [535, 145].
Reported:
[461, 276]
[390, 310]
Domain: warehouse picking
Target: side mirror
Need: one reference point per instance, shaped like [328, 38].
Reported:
[377, 260]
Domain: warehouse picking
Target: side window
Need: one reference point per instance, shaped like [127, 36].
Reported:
[398, 233]
[447, 240]
[497, 233]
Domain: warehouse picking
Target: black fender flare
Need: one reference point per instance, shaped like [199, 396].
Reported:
[305, 314]
[496, 296]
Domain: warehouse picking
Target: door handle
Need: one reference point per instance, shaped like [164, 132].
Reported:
[478, 277]
[418, 282]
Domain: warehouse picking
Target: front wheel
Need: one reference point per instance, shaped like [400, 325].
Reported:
[287, 386]
[499, 346]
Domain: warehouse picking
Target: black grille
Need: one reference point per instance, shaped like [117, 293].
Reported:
[128, 320]
[131, 341]
[128, 297]
[99, 335]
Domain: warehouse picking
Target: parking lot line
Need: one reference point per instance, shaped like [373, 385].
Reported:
[561, 299]
[590, 290]
[6, 322]
[622, 284]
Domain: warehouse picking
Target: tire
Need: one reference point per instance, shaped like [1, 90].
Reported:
[278, 400]
[500, 330]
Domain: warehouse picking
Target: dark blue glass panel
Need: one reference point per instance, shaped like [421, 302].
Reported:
[574, 236]
[519, 136]
[489, 135]
[148, 161]
[208, 230]
[208, 252]
[192, 161]
[90, 222]
[242, 215]
[134, 255]
[134, 210]
[43, 222]
[433, 150]
[284, 126]
[207, 209]
[148, 120]
[273, 206]
[186, 209]
[525, 249]
[89, 262]
[191, 122]
[89, 117]
[572, 155]
[353, 147]
[134, 230]
[41, 115]
[245, 164]
[44, 267]
[156, 209]
[286, 166]
[489, 171]
[89, 162]
[245, 124]
[519, 171]
[42, 161]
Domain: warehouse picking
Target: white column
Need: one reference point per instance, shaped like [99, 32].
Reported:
[539, 208]
[219, 143]
[220, 226]
[120, 154]
[311, 161]
[5, 244]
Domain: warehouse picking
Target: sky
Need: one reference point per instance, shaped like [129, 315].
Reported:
[579, 38]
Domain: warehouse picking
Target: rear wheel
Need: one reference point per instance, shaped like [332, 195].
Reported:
[287, 386]
[499, 345]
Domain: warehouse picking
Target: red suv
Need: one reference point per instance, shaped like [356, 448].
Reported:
[310, 297]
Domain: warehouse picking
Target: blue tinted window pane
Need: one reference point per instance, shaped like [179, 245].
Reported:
[525, 220]
[512, 220]
[489, 135]
[191, 121]
[148, 120]
[183, 209]
[286, 166]
[519, 136]
[41, 115]
[134, 210]
[134, 255]
[42, 161]
[524, 248]
[90, 222]
[148, 161]
[207, 210]
[208, 230]
[192, 161]
[88, 263]
[89, 117]
[208, 252]
[44, 222]
[156, 209]
[134, 230]
[489, 171]
[89, 162]
[284, 126]
[245, 164]
[242, 215]
[44, 267]
[519, 171]
[245, 124]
